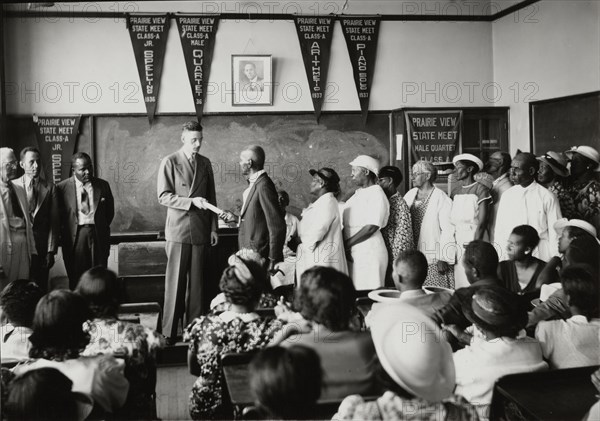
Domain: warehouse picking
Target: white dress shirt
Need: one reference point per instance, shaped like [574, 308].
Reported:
[533, 205]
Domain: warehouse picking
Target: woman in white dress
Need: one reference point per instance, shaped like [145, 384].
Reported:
[366, 212]
[320, 229]
[434, 233]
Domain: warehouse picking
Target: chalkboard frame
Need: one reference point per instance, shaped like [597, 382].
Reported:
[152, 232]
[535, 106]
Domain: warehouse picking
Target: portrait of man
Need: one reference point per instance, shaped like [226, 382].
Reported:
[252, 80]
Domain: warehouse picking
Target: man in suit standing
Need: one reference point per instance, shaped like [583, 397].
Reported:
[43, 211]
[185, 184]
[261, 222]
[16, 236]
[87, 208]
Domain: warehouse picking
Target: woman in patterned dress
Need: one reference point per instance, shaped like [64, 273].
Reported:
[585, 190]
[553, 174]
[238, 329]
[132, 342]
[434, 233]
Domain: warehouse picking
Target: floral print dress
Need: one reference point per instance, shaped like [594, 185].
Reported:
[212, 336]
[586, 197]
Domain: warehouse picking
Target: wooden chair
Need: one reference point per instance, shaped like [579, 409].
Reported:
[565, 394]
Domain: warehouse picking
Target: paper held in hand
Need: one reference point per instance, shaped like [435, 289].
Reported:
[213, 208]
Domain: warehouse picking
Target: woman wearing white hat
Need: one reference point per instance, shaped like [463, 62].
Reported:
[365, 213]
[585, 191]
[553, 174]
[470, 200]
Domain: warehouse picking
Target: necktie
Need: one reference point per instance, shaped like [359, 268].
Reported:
[85, 201]
[14, 201]
[194, 161]
[32, 196]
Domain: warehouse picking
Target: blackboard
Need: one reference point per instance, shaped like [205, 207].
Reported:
[129, 151]
[560, 123]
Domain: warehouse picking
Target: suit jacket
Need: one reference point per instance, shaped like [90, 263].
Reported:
[262, 224]
[177, 184]
[5, 241]
[46, 224]
[105, 211]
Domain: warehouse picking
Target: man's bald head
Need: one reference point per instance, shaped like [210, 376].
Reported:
[9, 164]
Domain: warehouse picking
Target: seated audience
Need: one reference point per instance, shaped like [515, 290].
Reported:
[17, 301]
[480, 261]
[57, 341]
[287, 268]
[585, 188]
[409, 274]
[286, 382]
[417, 371]
[519, 274]
[499, 348]
[594, 412]
[568, 231]
[237, 329]
[45, 394]
[574, 342]
[134, 343]
[267, 298]
[326, 302]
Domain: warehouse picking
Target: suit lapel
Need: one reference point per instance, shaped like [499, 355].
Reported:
[42, 193]
[97, 194]
[184, 167]
[251, 193]
[196, 180]
[72, 197]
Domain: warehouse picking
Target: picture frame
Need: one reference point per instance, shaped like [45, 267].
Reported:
[252, 79]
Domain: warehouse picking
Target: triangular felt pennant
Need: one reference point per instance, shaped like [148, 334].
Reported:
[149, 40]
[315, 34]
[56, 137]
[361, 33]
[197, 34]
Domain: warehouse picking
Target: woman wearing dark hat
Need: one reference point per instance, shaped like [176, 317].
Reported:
[238, 329]
[497, 348]
[320, 230]
[553, 174]
[585, 190]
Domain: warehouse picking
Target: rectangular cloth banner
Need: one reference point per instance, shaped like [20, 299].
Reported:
[433, 135]
[149, 40]
[314, 34]
[56, 137]
[197, 34]
[361, 35]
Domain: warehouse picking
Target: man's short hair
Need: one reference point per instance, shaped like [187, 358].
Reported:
[580, 284]
[530, 160]
[80, 155]
[482, 256]
[417, 263]
[191, 126]
[5, 152]
[28, 149]
[258, 156]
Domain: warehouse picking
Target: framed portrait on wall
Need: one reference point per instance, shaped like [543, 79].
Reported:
[252, 79]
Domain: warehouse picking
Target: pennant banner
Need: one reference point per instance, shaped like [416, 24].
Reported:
[56, 137]
[433, 135]
[197, 34]
[361, 38]
[314, 34]
[149, 40]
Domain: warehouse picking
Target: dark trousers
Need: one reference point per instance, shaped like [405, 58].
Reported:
[39, 270]
[84, 255]
[184, 285]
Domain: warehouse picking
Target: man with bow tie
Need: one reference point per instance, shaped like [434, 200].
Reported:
[86, 208]
[43, 211]
[16, 236]
[185, 184]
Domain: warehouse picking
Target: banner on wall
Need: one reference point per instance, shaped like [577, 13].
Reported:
[197, 34]
[433, 135]
[361, 35]
[314, 34]
[56, 137]
[149, 40]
